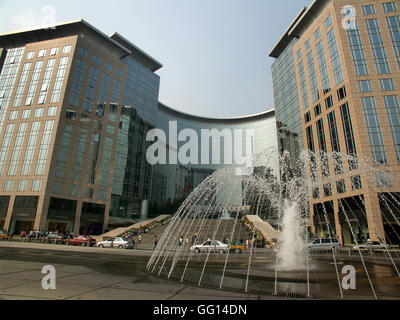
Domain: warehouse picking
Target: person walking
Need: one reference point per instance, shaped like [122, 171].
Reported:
[140, 239]
[180, 241]
[155, 241]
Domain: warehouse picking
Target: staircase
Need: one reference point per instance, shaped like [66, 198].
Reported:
[255, 223]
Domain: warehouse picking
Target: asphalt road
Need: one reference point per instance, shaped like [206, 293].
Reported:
[92, 274]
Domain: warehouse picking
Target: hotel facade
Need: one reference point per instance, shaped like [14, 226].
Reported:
[75, 109]
[336, 79]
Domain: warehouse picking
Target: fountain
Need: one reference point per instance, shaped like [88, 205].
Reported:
[281, 265]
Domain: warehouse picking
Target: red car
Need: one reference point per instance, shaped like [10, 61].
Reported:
[82, 241]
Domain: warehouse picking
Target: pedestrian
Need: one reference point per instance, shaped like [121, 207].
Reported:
[155, 241]
[140, 239]
[187, 241]
[180, 241]
[247, 243]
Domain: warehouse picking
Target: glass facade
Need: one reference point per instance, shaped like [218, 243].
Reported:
[287, 104]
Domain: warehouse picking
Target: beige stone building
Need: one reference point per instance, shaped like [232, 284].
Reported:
[75, 106]
[336, 85]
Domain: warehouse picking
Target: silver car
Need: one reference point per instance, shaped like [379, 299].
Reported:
[324, 243]
[372, 245]
[117, 242]
[212, 246]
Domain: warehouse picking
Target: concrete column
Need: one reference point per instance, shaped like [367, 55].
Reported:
[374, 216]
[106, 215]
[41, 213]
[338, 227]
[78, 214]
[313, 228]
[7, 221]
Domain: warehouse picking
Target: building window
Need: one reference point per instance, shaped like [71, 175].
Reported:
[41, 53]
[317, 110]
[328, 22]
[77, 82]
[383, 179]
[327, 190]
[341, 186]
[393, 114]
[66, 49]
[335, 59]
[22, 185]
[307, 44]
[374, 130]
[53, 51]
[52, 111]
[310, 139]
[357, 50]
[328, 102]
[30, 55]
[378, 47]
[389, 7]
[299, 54]
[349, 135]
[38, 113]
[393, 23]
[13, 115]
[317, 34]
[356, 183]
[341, 93]
[107, 66]
[368, 10]
[36, 185]
[386, 84]
[8, 185]
[25, 114]
[307, 117]
[96, 59]
[70, 114]
[315, 193]
[364, 85]
[323, 69]
[83, 52]
[303, 84]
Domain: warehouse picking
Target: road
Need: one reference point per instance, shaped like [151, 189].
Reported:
[92, 274]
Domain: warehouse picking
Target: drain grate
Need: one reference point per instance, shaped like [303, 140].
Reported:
[297, 295]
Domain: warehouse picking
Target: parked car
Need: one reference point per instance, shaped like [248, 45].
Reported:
[212, 246]
[82, 241]
[324, 243]
[54, 236]
[372, 245]
[236, 247]
[3, 235]
[117, 242]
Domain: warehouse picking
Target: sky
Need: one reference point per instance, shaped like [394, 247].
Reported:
[214, 52]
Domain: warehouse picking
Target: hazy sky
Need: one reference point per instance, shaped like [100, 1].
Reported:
[214, 52]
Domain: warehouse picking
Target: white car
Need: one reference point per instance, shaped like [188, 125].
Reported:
[117, 242]
[212, 246]
[324, 243]
[372, 245]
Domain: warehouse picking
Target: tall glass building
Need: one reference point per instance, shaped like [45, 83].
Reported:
[336, 80]
[76, 107]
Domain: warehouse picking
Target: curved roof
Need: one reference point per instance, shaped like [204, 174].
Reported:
[241, 119]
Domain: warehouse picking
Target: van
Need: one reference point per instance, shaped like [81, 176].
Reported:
[324, 243]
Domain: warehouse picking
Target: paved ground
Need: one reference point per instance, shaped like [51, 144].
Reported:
[92, 274]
